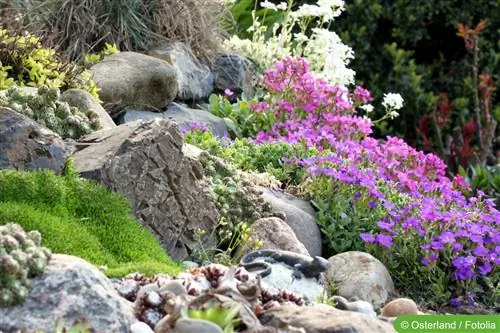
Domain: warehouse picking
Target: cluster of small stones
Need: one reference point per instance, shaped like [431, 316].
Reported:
[21, 258]
[160, 300]
[48, 111]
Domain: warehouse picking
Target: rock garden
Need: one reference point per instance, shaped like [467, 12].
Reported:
[220, 166]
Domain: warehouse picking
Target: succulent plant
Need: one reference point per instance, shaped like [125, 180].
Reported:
[48, 111]
[21, 258]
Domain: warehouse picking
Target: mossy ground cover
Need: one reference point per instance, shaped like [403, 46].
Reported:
[81, 218]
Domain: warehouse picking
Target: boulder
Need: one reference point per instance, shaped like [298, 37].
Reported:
[300, 216]
[195, 79]
[129, 79]
[235, 72]
[25, 145]
[70, 289]
[322, 318]
[275, 234]
[182, 115]
[83, 100]
[360, 276]
[398, 307]
[147, 162]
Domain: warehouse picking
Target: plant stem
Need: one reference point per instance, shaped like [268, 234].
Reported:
[477, 107]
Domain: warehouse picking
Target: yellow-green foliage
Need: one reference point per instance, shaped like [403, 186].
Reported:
[25, 61]
[81, 218]
[93, 58]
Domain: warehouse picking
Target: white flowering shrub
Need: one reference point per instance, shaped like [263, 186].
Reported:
[323, 49]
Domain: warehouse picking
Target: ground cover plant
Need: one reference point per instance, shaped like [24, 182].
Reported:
[81, 218]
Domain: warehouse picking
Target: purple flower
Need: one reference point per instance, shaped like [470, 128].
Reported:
[367, 238]
[447, 237]
[484, 268]
[228, 92]
[384, 240]
[455, 302]
[372, 204]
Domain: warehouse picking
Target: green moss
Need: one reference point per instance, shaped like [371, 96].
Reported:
[81, 218]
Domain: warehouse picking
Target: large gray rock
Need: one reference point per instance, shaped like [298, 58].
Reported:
[147, 162]
[182, 115]
[70, 289]
[83, 100]
[322, 318]
[129, 79]
[24, 145]
[300, 216]
[360, 276]
[235, 72]
[275, 234]
[195, 79]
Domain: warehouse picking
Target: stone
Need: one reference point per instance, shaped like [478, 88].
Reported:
[130, 79]
[148, 163]
[275, 234]
[83, 100]
[25, 145]
[322, 318]
[357, 306]
[140, 327]
[195, 79]
[235, 72]
[398, 307]
[189, 325]
[182, 115]
[300, 216]
[70, 289]
[360, 276]
[173, 286]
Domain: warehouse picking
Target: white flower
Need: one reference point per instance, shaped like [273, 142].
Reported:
[393, 101]
[393, 114]
[367, 107]
[268, 5]
[282, 6]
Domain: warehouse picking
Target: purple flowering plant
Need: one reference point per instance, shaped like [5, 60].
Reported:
[382, 196]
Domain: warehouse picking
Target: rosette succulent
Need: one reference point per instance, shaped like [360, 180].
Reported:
[21, 258]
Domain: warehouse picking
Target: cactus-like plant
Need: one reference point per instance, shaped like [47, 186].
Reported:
[47, 110]
[21, 258]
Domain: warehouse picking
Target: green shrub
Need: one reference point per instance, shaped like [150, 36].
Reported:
[25, 61]
[47, 110]
[81, 218]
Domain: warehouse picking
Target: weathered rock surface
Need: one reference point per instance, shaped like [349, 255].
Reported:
[234, 72]
[129, 79]
[70, 289]
[24, 145]
[322, 318]
[300, 216]
[84, 100]
[188, 325]
[275, 234]
[360, 276]
[163, 179]
[181, 114]
[195, 79]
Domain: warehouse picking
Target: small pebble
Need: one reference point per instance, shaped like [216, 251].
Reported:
[140, 327]
[188, 325]
[190, 264]
[399, 306]
[173, 286]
